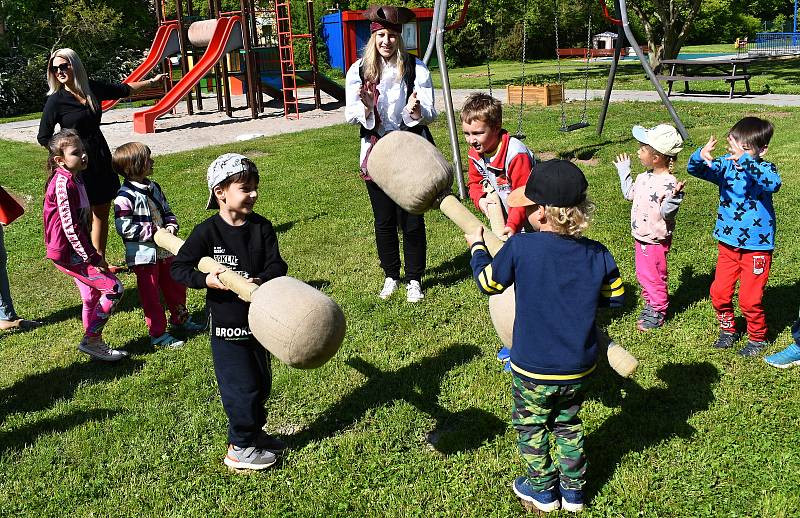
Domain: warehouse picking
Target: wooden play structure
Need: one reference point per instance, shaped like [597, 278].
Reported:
[248, 52]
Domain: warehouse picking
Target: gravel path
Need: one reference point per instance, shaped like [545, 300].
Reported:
[180, 132]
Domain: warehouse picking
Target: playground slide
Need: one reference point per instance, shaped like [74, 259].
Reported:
[226, 38]
[166, 43]
[326, 85]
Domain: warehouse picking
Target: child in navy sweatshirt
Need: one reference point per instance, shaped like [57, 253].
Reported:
[244, 242]
[560, 280]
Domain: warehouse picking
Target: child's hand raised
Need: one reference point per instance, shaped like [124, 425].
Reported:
[212, 279]
[708, 149]
[474, 237]
[735, 149]
[675, 192]
[623, 163]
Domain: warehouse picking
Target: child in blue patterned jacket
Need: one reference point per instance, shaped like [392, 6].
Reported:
[745, 227]
[140, 209]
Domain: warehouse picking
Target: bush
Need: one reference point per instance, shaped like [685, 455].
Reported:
[22, 85]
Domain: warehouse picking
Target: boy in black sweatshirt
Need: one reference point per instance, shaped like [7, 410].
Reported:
[244, 242]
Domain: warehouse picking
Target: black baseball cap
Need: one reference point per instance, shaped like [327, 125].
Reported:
[557, 183]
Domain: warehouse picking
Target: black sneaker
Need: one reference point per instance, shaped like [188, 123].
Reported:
[650, 319]
[270, 443]
[726, 339]
[752, 348]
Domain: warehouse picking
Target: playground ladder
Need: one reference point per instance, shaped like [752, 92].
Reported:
[283, 24]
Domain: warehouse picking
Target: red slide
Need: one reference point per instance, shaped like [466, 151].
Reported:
[166, 43]
[226, 38]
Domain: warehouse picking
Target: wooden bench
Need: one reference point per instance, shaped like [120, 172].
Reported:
[692, 70]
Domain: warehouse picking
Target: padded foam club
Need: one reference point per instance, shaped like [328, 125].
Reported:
[297, 323]
[410, 170]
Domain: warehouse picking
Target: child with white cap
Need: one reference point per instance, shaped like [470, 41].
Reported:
[244, 242]
[656, 195]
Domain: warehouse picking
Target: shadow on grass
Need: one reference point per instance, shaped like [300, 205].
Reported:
[452, 271]
[693, 287]
[286, 226]
[780, 307]
[22, 437]
[40, 391]
[419, 384]
[647, 417]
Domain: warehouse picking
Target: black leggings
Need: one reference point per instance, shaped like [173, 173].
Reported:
[388, 216]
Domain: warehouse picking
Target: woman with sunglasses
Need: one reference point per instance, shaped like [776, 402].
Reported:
[73, 102]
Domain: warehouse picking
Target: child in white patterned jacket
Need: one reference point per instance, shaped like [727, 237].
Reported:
[140, 209]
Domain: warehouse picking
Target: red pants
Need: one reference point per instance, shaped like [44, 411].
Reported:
[751, 269]
[152, 278]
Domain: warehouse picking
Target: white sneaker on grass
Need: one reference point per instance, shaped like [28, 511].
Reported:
[389, 287]
[414, 292]
[95, 347]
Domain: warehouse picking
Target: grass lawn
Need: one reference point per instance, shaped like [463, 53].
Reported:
[412, 417]
[777, 77]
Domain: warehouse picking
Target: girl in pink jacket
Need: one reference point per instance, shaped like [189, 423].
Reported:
[69, 245]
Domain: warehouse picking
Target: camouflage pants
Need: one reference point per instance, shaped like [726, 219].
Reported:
[538, 411]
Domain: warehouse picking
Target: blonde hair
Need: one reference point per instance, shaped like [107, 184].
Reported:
[130, 159]
[570, 221]
[670, 160]
[371, 63]
[483, 107]
[80, 80]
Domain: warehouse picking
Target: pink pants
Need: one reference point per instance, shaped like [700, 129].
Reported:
[152, 278]
[100, 292]
[651, 272]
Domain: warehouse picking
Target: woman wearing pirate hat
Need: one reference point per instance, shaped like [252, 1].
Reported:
[387, 90]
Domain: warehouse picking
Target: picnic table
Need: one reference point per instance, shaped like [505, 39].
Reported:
[729, 70]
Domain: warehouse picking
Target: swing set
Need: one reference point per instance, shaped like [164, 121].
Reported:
[624, 33]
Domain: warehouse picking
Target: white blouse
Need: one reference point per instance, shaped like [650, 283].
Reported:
[391, 101]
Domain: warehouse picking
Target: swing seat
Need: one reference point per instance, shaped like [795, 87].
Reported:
[573, 127]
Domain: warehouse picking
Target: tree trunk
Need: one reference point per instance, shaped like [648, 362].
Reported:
[666, 26]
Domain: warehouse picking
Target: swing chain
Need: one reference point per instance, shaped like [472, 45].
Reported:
[558, 64]
[586, 72]
[520, 135]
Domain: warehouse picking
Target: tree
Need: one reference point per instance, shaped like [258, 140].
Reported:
[666, 25]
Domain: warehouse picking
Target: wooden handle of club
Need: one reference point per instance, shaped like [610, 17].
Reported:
[232, 280]
[466, 221]
[494, 211]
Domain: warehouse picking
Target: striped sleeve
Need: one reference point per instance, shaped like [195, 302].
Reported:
[492, 276]
[612, 291]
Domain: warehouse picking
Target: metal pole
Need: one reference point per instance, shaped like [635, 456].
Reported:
[434, 28]
[623, 13]
[448, 106]
[611, 75]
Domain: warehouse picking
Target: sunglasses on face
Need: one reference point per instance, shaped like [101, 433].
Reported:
[63, 67]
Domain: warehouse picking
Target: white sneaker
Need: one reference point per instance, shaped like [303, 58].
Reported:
[95, 347]
[389, 287]
[414, 292]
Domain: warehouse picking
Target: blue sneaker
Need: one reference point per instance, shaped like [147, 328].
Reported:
[504, 354]
[507, 366]
[189, 326]
[789, 357]
[544, 501]
[166, 341]
[571, 499]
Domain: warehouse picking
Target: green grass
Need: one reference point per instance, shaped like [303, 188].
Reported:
[698, 432]
[777, 77]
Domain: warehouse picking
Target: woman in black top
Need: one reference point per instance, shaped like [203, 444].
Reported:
[73, 102]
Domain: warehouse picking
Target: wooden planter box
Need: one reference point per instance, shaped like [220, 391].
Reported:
[543, 95]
